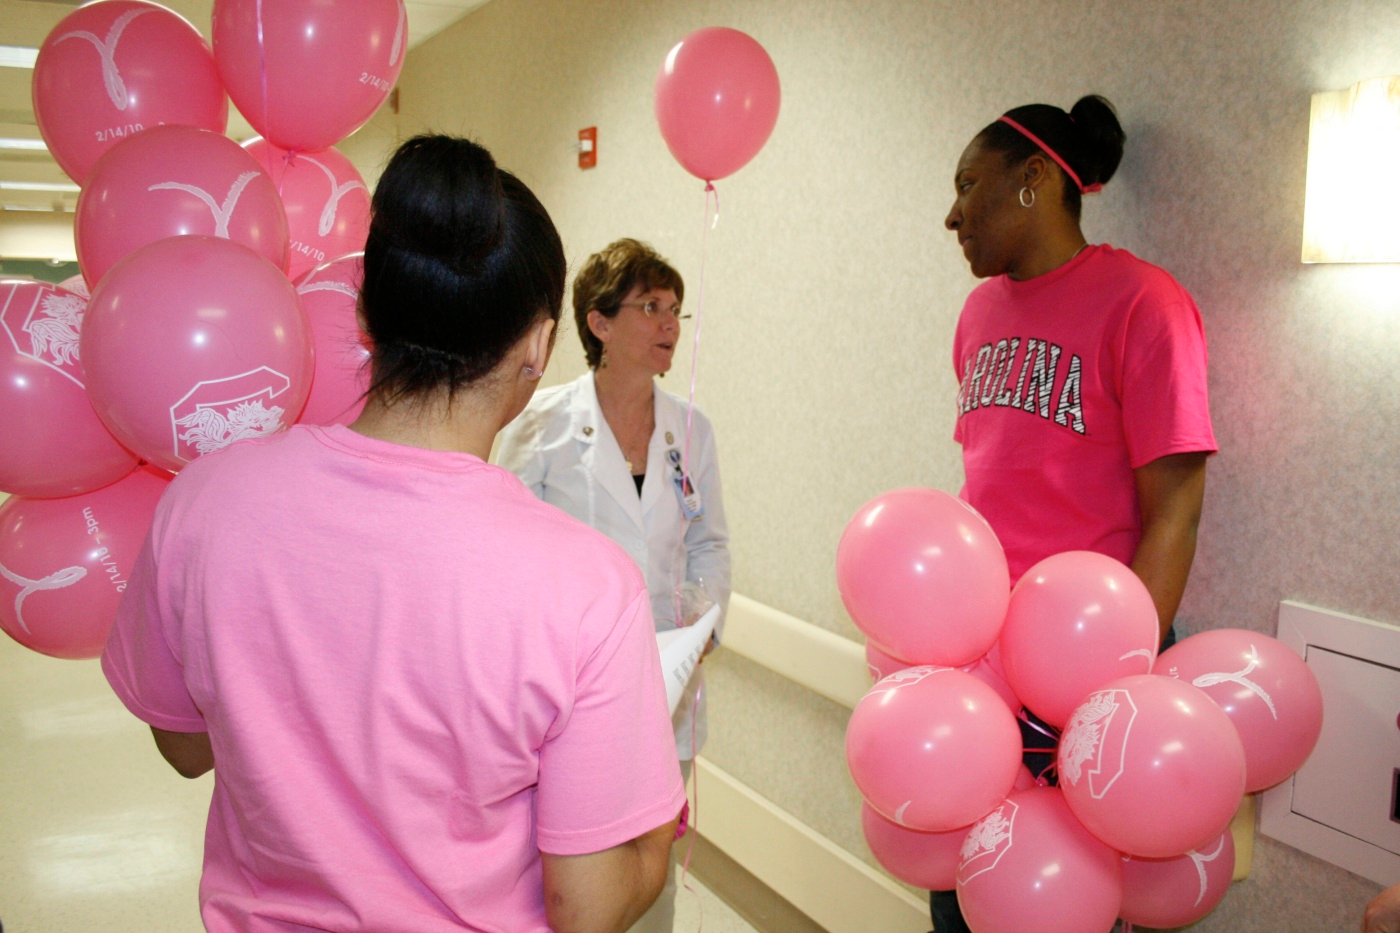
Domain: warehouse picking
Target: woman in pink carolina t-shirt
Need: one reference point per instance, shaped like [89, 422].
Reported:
[1082, 411]
[431, 702]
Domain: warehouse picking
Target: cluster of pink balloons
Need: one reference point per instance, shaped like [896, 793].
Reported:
[1153, 754]
[219, 282]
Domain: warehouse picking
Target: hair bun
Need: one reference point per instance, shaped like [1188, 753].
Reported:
[460, 261]
[1101, 136]
[454, 211]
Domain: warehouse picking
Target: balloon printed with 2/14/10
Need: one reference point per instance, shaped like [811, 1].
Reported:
[109, 70]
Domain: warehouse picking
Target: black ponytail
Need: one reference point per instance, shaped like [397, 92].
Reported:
[1102, 139]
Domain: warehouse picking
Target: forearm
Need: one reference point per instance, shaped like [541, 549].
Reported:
[1170, 492]
[606, 892]
[1163, 563]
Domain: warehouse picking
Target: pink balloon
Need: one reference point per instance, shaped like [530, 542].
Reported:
[881, 663]
[923, 575]
[1076, 621]
[925, 860]
[932, 748]
[310, 73]
[326, 201]
[1268, 692]
[993, 660]
[1151, 766]
[329, 295]
[1177, 891]
[64, 563]
[716, 99]
[1029, 865]
[192, 343]
[109, 70]
[986, 671]
[55, 445]
[172, 181]
[77, 285]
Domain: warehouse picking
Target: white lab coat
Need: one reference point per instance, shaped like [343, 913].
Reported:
[562, 448]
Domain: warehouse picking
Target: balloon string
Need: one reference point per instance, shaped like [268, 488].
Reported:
[694, 812]
[711, 189]
[289, 159]
[699, 315]
[694, 370]
[262, 65]
[1048, 731]
[1042, 779]
[685, 481]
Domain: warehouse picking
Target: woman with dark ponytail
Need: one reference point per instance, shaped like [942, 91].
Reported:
[431, 701]
[1082, 409]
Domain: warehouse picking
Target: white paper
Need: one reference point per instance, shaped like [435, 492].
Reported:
[681, 649]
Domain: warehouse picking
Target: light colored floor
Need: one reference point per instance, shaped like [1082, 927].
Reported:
[98, 835]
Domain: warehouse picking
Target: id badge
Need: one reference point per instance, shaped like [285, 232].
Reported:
[691, 503]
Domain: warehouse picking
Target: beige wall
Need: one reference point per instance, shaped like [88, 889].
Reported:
[832, 291]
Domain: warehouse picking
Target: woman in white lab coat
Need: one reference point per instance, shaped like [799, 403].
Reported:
[610, 448]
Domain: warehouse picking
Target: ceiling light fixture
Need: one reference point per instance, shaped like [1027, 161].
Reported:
[37, 186]
[16, 56]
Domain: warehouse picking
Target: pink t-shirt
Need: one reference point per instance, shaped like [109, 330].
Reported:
[1069, 382]
[415, 677]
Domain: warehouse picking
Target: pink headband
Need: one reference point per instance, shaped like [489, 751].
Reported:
[1083, 188]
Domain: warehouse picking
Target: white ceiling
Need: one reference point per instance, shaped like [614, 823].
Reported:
[26, 23]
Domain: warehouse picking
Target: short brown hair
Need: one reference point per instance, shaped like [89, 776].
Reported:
[606, 279]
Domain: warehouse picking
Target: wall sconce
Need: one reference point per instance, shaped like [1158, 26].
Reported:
[1352, 207]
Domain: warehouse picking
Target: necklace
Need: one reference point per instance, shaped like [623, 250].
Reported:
[1077, 252]
[634, 443]
[636, 453]
[631, 422]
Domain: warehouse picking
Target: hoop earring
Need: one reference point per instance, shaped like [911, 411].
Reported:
[1021, 196]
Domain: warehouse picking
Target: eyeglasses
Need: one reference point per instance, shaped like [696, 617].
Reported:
[653, 308]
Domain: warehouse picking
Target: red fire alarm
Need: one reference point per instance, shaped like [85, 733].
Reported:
[588, 147]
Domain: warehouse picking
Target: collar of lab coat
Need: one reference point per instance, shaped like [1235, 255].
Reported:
[602, 455]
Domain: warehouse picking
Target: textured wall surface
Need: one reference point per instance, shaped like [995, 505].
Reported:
[832, 289]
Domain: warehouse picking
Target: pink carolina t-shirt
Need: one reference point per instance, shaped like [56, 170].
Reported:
[1069, 382]
[415, 677]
